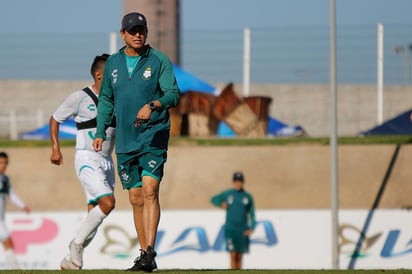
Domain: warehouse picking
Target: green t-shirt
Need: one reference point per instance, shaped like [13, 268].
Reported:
[240, 211]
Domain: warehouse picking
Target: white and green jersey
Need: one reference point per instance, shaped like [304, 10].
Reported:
[6, 190]
[82, 107]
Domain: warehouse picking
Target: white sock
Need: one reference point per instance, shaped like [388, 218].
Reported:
[89, 238]
[11, 259]
[93, 220]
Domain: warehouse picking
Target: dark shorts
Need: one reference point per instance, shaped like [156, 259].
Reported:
[236, 241]
[134, 165]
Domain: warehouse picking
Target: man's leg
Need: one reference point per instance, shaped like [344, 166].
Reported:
[146, 207]
[106, 205]
[235, 260]
[89, 226]
[137, 202]
[151, 209]
[94, 218]
[9, 254]
[238, 260]
[151, 216]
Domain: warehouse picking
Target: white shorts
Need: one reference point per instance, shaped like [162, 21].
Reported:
[4, 233]
[96, 174]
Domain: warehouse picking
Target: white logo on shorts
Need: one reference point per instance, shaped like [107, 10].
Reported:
[124, 176]
[152, 163]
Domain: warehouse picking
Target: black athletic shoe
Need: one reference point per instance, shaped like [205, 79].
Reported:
[147, 260]
[136, 263]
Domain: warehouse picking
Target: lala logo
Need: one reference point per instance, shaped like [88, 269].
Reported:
[28, 232]
[147, 74]
[119, 243]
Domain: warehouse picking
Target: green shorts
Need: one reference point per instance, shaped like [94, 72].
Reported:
[134, 165]
[236, 241]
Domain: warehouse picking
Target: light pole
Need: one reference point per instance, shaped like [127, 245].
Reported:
[404, 52]
[334, 183]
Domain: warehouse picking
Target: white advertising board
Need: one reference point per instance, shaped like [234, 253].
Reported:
[283, 239]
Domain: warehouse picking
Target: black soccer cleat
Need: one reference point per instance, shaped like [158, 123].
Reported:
[136, 263]
[147, 260]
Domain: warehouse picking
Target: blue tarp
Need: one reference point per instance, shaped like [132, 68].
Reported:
[187, 81]
[400, 124]
[67, 130]
[276, 128]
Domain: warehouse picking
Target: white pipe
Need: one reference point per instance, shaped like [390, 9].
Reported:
[246, 62]
[40, 115]
[380, 75]
[13, 125]
[333, 140]
[113, 43]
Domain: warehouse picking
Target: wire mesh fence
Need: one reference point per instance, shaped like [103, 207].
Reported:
[278, 55]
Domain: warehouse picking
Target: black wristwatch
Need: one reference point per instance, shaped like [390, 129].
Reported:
[152, 106]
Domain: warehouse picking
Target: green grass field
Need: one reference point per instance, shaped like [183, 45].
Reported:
[212, 271]
[215, 141]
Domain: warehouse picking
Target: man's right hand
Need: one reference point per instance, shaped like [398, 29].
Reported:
[56, 157]
[97, 144]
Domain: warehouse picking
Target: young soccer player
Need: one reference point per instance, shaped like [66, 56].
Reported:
[94, 169]
[240, 218]
[6, 190]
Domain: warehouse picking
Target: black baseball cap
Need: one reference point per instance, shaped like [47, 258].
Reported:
[238, 176]
[132, 20]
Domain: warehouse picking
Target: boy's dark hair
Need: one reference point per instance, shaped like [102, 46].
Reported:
[4, 155]
[98, 62]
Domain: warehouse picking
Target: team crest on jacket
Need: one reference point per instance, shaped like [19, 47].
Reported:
[147, 74]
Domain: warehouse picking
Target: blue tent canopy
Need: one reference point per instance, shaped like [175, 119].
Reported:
[187, 81]
[400, 124]
[67, 130]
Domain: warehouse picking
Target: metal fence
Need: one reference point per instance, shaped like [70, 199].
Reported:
[13, 122]
[278, 55]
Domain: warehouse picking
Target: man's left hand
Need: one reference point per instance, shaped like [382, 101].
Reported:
[248, 232]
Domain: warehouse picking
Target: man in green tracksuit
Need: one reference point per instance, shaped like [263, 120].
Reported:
[240, 219]
[138, 88]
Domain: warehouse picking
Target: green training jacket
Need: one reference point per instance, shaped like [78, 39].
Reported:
[123, 96]
[240, 211]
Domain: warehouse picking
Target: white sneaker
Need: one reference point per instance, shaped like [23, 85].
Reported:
[66, 264]
[13, 264]
[76, 253]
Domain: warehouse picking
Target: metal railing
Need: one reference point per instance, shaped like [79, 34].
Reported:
[278, 55]
[13, 122]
